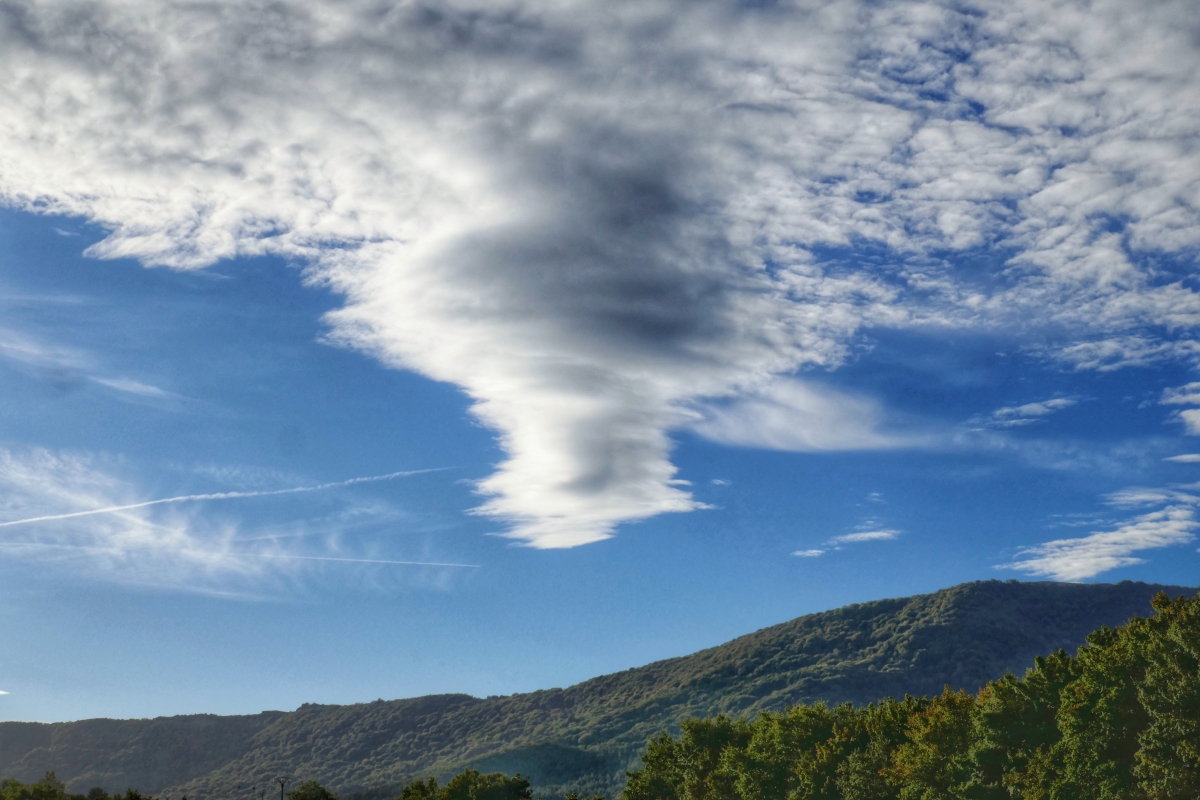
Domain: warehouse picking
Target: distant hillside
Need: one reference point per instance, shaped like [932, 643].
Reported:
[585, 736]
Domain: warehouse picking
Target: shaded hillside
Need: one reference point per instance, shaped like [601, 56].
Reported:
[585, 736]
[128, 753]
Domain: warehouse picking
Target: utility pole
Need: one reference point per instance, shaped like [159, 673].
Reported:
[282, 780]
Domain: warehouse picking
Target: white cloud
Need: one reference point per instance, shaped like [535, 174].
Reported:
[1186, 395]
[1191, 421]
[132, 387]
[128, 544]
[798, 416]
[20, 349]
[74, 509]
[3, 692]
[1027, 414]
[865, 536]
[65, 364]
[1086, 557]
[1184, 458]
[1133, 497]
[593, 216]
[808, 553]
[1119, 352]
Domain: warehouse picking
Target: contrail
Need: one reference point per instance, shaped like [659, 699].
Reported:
[219, 496]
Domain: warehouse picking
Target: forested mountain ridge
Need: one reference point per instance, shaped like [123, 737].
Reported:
[585, 736]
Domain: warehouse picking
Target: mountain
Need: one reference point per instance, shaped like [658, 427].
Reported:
[585, 736]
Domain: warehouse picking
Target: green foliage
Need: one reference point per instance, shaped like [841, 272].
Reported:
[1118, 721]
[1168, 760]
[51, 788]
[421, 790]
[470, 785]
[48, 788]
[311, 790]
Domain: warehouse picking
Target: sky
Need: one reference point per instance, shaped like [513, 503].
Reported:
[355, 349]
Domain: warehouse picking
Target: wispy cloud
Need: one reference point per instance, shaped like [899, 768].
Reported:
[506, 203]
[191, 498]
[1138, 496]
[60, 511]
[1088, 556]
[1186, 395]
[1025, 414]
[69, 363]
[1121, 352]
[865, 536]
[869, 534]
[1085, 557]
[798, 416]
[132, 387]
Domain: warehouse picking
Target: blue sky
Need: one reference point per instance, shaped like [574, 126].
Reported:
[489, 349]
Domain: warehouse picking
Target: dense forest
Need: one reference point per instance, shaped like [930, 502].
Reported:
[584, 738]
[1119, 720]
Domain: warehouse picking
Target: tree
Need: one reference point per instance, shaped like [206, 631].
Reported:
[311, 790]
[688, 768]
[421, 790]
[933, 763]
[1168, 759]
[1016, 728]
[470, 785]
[48, 788]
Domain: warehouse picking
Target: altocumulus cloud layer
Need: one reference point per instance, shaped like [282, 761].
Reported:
[608, 220]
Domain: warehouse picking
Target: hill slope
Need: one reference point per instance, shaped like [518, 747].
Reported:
[585, 736]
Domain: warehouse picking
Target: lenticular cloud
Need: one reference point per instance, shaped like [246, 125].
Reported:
[597, 217]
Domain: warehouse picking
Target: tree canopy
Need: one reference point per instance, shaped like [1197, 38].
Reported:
[1120, 720]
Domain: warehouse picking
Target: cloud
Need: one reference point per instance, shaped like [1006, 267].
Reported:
[126, 542]
[67, 365]
[3, 692]
[850, 538]
[1108, 355]
[797, 416]
[1186, 395]
[600, 219]
[1191, 421]
[73, 509]
[192, 498]
[1133, 497]
[1027, 414]
[131, 386]
[1086, 557]
[1184, 458]
[865, 536]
